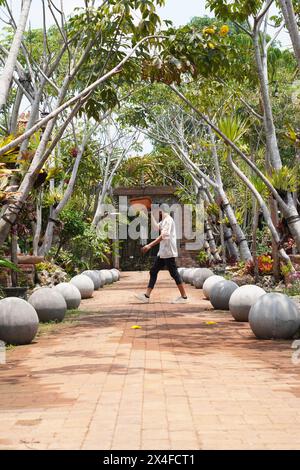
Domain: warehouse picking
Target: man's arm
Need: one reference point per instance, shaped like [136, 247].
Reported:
[148, 247]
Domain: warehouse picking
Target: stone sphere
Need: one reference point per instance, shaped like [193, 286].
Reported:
[196, 272]
[102, 278]
[209, 283]
[49, 304]
[18, 321]
[201, 277]
[242, 300]
[84, 284]
[70, 293]
[107, 276]
[94, 276]
[274, 316]
[115, 274]
[186, 274]
[190, 276]
[220, 294]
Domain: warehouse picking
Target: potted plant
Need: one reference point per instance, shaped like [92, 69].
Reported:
[13, 291]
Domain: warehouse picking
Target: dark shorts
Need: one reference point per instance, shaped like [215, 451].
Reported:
[159, 264]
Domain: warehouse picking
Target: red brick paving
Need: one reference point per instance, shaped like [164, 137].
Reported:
[176, 383]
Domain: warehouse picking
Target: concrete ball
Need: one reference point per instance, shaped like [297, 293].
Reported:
[115, 274]
[209, 283]
[186, 273]
[70, 293]
[49, 304]
[242, 300]
[190, 276]
[84, 284]
[94, 276]
[107, 276]
[201, 277]
[274, 316]
[220, 294]
[18, 321]
[102, 278]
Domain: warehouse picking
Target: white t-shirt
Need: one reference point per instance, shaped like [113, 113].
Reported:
[168, 245]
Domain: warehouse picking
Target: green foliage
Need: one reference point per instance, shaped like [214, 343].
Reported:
[73, 225]
[239, 10]
[81, 247]
[46, 266]
[188, 51]
[4, 263]
[52, 198]
[286, 179]
[233, 127]
[203, 258]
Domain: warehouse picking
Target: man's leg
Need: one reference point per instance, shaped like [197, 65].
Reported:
[157, 266]
[172, 267]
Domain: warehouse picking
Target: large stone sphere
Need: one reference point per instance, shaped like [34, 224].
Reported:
[186, 274]
[201, 277]
[70, 293]
[18, 321]
[242, 300]
[274, 316]
[209, 283]
[107, 276]
[84, 284]
[49, 304]
[196, 272]
[220, 294]
[102, 278]
[94, 276]
[180, 270]
[115, 274]
[190, 276]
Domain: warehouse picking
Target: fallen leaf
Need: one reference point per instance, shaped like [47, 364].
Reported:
[210, 323]
[136, 327]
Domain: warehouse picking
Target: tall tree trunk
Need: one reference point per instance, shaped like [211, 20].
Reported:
[238, 232]
[15, 112]
[232, 249]
[38, 225]
[254, 240]
[68, 193]
[292, 26]
[212, 242]
[264, 208]
[236, 228]
[10, 64]
[289, 209]
[262, 69]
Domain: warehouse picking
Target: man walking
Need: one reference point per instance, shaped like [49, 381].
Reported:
[167, 241]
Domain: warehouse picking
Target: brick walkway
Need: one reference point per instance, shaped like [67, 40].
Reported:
[176, 383]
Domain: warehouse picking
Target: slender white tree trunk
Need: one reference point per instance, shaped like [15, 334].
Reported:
[289, 211]
[262, 69]
[263, 206]
[10, 64]
[238, 232]
[288, 11]
[38, 225]
[15, 111]
[68, 193]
